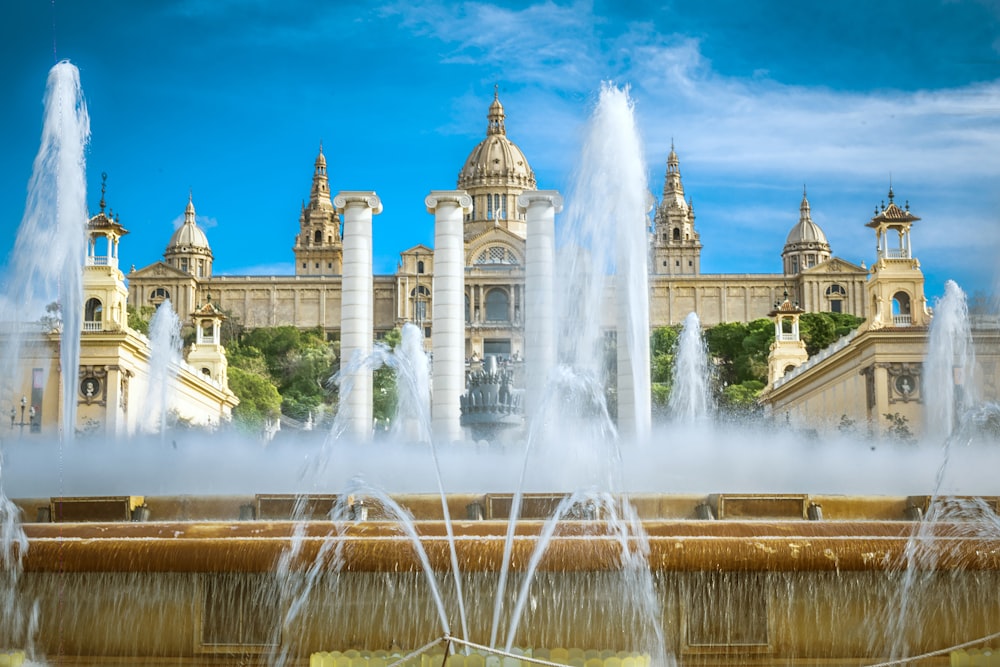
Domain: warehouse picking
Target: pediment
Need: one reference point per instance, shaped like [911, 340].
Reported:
[835, 265]
[158, 270]
[419, 249]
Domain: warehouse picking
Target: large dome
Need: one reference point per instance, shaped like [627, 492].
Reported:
[496, 160]
[806, 232]
[188, 237]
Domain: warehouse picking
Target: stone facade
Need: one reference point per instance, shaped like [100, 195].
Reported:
[494, 175]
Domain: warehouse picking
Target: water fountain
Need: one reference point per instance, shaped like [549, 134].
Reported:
[800, 560]
[690, 398]
[165, 342]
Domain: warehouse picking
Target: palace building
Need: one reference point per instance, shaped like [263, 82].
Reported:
[495, 173]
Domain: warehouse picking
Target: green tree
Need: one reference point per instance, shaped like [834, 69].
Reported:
[385, 397]
[663, 347]
[259, 399]
[139, 318]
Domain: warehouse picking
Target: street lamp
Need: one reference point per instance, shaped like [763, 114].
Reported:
[22, 423]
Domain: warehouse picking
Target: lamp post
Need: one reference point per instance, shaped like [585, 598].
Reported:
[22, 423]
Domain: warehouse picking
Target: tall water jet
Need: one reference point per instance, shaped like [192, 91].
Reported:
[413, 391]
[949, 372]
[606, 232]
[165, 356]
[357, 302]
[48, 257]
[689, 394]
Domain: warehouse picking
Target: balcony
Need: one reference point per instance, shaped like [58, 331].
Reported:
[93, 326]
[902, 320]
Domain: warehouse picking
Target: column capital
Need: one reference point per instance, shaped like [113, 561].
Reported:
[367, 198]
[460, 198]
[551, 197]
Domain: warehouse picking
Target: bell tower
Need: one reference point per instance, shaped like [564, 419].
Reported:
[787, 351]
[104, 292]
[207, 353]
[319, 249]
[895, 281]
[676, 244]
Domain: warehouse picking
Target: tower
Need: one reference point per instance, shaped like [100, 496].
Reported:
[676, 245]
[188, 249]
[806, 244]
[206, 354]
[319, 249]
[787, 350]
[895, 281]
[104, 292]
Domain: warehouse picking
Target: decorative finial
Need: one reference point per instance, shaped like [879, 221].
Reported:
[496, 91]
[803, 190]
[907, 206]
[891, 194]
[104, 185]
[190, 195]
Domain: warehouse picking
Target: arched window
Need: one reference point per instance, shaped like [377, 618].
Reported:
[901, 313]
[489, 207]
[836, 294]
[318, 238]
[420, 295]
[420, 266]
[677, 233]
[497, 306]
[159, 295]
[496, 255]
[468, 310]
[92, 315]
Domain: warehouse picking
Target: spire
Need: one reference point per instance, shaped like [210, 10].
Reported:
[673, 189]
[495, 117]
[189, 211]
[104, 185]
[319, 196]
[804, 213]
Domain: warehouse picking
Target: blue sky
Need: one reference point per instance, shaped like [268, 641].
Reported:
[230, 99]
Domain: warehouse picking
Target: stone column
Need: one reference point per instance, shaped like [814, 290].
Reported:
[357, 308]
[448, 333]
[540, 208]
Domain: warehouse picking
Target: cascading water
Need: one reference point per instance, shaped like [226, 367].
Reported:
[47, 261]
[165, 356]
[690, 398]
